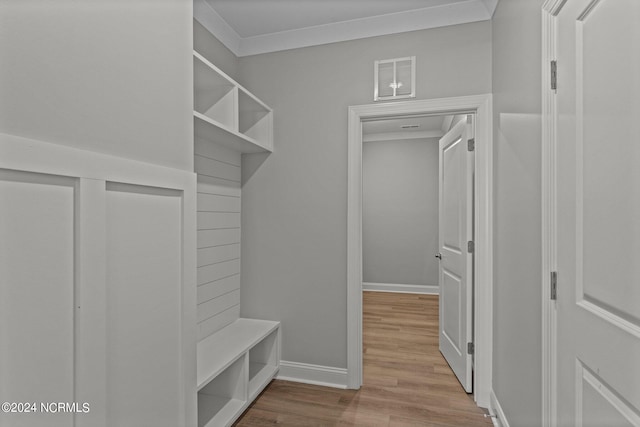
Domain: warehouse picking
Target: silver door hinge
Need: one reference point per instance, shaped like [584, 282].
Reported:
[470, 246]
[554, 75]
[470, 348]
[554, 285]
[471, 144]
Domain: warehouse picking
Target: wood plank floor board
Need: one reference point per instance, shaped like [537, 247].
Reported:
[407, 382]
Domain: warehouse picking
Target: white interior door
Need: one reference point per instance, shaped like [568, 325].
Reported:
[456, 257]
[598, 217]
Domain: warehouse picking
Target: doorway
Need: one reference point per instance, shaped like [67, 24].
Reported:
[481, 106]
[400, 203]
[417, 222]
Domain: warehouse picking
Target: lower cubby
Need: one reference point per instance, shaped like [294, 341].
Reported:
[233, 366]
[263, 363]
[224, 396]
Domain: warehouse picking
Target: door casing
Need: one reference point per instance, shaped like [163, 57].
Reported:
[481, 105]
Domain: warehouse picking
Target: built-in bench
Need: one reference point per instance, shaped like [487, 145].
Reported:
[233, 366]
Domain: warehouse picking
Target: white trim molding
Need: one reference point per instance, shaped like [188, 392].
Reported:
[461, 12]
[401, 288]
[499, 419]
[312, 374]
[550, 9]
[209, 18]
[481, 105]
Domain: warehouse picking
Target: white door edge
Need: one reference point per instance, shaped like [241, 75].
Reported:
[550, 8]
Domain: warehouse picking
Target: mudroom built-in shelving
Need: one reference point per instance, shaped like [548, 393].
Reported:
[236, 357]
[226, 113]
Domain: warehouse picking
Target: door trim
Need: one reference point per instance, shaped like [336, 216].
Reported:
[481, 105]
[550, 10]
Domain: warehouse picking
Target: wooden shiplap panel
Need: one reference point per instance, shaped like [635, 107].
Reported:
[220, 187]
[209, 238]
[216, 169]
[212, 290]
[216, 203]
[218, 221]
[217, 322]
[217, 152]
[216, 254]
[217, 305]
[218, 271]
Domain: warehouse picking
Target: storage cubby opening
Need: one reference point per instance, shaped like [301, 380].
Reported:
[263, 362]
[215, 96]
[251, 111]
[225, 395]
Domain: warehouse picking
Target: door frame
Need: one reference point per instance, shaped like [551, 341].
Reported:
[550, 10]
[481, 105]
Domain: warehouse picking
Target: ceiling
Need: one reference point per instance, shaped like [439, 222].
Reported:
[420, 127]
[249, 27]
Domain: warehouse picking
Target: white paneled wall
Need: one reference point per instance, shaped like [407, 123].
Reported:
[97, 283]
[218, 170]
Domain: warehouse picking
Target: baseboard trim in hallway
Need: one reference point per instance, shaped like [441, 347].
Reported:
[401, 288]
[495, 409]
[306, 373]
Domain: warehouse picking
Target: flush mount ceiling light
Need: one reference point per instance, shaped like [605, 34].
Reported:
[395, 78]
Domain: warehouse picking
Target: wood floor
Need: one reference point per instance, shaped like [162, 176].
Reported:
[407, 382]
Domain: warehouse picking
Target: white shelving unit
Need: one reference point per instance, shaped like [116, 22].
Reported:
[226, 113]
[237, 362]
[233, 366]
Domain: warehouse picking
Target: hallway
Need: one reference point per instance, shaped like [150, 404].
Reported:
[406, 380]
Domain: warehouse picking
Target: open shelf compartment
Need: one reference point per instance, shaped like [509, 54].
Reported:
[224, 397]
[263, 363]
[255, 118]
[215, 94]
[226, 113]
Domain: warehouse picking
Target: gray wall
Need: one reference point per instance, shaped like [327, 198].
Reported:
[212, 49]
[294, 201]
[400, 211]
[114, 77]
[517, 129]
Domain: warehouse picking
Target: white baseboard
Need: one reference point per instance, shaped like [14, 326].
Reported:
[401, 288]
[495, 409]
[312, 374]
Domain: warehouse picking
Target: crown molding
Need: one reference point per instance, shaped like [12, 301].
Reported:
[420, 19]
[491, 6]
[209, 18]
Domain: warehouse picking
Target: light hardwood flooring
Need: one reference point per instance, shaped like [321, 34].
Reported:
[407, 382]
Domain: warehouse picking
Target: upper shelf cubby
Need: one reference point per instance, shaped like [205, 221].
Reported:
[226, 113]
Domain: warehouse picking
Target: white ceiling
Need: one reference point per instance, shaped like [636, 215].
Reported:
[420, 127]
[249, 27]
